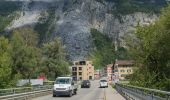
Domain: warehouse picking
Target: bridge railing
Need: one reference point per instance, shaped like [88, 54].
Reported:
[140, 93]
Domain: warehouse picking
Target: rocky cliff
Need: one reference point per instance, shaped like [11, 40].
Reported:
[74, 19]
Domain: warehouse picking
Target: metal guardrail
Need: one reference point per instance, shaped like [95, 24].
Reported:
[26, 96]
[24, 93]
[140, 93]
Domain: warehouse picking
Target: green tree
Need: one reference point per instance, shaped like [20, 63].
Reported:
[54, 60]
[26, 55]
[5, 63]
[122, 54]
[150, 46]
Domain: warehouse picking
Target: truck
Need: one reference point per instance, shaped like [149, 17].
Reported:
[64, 86]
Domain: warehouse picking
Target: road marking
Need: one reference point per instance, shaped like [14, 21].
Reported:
[105, 94]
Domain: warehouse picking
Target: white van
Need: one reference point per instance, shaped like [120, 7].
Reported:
[103, 84]
[64, 86]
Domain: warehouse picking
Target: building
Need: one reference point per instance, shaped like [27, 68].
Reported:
[123, 68]
[100, 73]
[109, 72]
[83, 70]
[97, 74]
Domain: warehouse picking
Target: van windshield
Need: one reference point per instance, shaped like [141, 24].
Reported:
[63, 81]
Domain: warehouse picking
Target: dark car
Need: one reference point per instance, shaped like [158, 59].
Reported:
[85, 84]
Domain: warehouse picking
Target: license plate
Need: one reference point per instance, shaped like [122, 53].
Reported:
[61, 85]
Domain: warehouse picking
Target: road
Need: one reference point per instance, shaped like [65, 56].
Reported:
[93, 93]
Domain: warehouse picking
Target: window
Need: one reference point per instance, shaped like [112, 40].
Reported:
[90, 77]
[80, 73]
[74, 73]
[122, 70]
[74, 69]
[63, 81]
[116, 71]
[77, 63]
[75, 78]
[80, 68]
[103, 81]
[129, 70]
[82, 62]
[80, 78]
[125, 66]
[123, 75]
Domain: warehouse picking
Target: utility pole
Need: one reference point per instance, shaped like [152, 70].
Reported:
[116, 71]
[116, 44]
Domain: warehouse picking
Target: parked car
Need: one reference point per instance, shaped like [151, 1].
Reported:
[64, 86]
[85, 84]
[103, 84]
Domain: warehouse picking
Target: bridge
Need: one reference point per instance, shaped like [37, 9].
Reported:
[119, 92]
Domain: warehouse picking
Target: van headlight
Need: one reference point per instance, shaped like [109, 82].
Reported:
[53, 87]
[68, 88]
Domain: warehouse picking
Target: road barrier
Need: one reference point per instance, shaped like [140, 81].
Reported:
[24, 93]
[140, 93]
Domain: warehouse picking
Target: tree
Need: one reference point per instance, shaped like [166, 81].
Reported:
[26, 55]
[5, 63]
[150, 46]
[54, 60]
[122, 54]
[30, 37]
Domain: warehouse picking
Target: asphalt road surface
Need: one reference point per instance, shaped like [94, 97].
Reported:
[92, 93]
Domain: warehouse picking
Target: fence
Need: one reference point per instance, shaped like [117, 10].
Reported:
[140, 93]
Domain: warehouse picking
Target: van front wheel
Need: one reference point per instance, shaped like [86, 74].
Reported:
[75, 91]
[70, 94]
[54, 95]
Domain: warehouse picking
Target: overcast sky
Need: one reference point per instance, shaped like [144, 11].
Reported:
[34, 0]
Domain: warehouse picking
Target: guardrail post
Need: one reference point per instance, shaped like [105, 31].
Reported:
[152, 94]
[167, 98]
[13, 91]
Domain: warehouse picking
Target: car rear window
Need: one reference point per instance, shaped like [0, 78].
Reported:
[86, 81]
[103, 81]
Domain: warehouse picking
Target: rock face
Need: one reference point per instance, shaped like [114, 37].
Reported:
[76, 18]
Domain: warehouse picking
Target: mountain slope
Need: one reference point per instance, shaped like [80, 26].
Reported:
[73, 19]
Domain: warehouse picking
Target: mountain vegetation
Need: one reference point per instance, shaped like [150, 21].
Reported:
[124, 7]
[46, 25]
[104, 50]
[8, 13]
